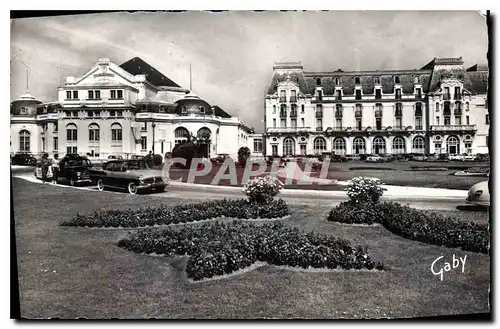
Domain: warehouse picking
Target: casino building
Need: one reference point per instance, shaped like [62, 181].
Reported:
[439, 108]
[123, 110]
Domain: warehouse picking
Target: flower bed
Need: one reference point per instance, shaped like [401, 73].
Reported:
[218, 249]
[185, 213]
[416, 225]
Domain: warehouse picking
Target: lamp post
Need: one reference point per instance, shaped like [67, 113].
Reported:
[153, 125]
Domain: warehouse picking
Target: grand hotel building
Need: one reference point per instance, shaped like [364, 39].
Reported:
[121, 110]
[440, 108]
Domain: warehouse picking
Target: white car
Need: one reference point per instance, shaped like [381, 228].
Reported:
[479, 194]
[375, 158]
[462, 157]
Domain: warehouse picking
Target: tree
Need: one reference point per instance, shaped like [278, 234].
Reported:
[243, 155]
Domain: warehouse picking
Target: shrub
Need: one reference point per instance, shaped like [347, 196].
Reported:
[243, 155]
[218, 248]
[416, 224]
[364, 190]
[185, 213]
[262, 190]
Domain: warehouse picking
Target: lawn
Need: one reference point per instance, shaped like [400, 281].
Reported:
[395, 173]
[72, 272]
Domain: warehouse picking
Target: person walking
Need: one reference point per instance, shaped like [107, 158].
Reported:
[55, 169]
[45, 163]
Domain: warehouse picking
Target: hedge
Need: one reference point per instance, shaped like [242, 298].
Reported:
[164, 215]
[416, 225]
[218, 248]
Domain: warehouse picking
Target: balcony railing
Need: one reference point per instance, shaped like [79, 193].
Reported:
[283, 114]
[288, 129]
[293, 114]
[453, 128]
[319, 114]
[446, 97]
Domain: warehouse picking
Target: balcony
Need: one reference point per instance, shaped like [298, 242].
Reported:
[453, 128]
[293, 114]
[446, 97]
[319, 114]
[288, 130]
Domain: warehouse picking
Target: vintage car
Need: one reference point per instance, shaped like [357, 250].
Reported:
[462, 157]
[75, 169]
[112, 157]
[374, 158]
[130, 175]
[23, 159]
[479, 194]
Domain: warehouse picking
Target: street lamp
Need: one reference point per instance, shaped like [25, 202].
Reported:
[153, 125]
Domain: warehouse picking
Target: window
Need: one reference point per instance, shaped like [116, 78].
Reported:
[91, 94]
[437, 107]
[202, 109]
[113, 94]
[283, 123]
[112, 113]
[398, 145]
[274, 123]
[75, 94]
[93, 133]
[378, 110]
[358, 145]
[24, 110]
[418, 123]
[337, 81]
[377, 80]
[338, 123]
[144, 143]
[357, 80]
[68, 94]
[71, 149]
[447, 121]
[397, 80]
[320, 95]
[90, 113]
[419, 93]
[467, 106]
[446, 94]
[24, 141]
[303, 122]
[55, 127]
[302, 109]
[257, 145]
[293, 96]
[184, 109]
[338, 95]
[318, 82]
[418, 109]
[319, 111]
[274, 150]
[71, 133]
[339, 111]
[181, 135]
[119, 113]
[399, 110]
[289, 146]
[446, 108]
[74, 113]
[283, 96]
[116, 133]
[97, 113]
[418, 144]
[452, 145]
[119, 94]
[398, 93]
[437, 121]
[338, 146]
[378, 123]
[378, 93]
[487, 119]
[399, 123]
[97, 94]
[319, 124]
[358, 113]
[416, 79]
[358, 94]
[358, 124]
[458, 108]
[379, 145]
[274, 109]
[457, 93]
[458, 120]
[319, 145]
[56, 143]
[294, 123]
[467, 122]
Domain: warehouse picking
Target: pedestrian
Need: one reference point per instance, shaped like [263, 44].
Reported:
[45, 166]
[55, 169]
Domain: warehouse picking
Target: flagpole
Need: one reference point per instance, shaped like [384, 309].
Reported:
[190, 78]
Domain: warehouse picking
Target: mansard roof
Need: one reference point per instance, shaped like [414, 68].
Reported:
[137, 65]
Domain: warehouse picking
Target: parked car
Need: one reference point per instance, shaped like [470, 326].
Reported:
[462, 157]
[136, 157]
[479, 194]
[338, 158]
[374, 158]
[220, 158]
[113, 157]
[75, 169]
[23, 159]
[130, 175]
[420, 157]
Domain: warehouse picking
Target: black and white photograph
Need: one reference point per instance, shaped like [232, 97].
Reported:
[241, 165]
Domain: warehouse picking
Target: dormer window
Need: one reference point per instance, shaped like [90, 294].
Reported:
[337, 81]
[377, 80]
[357, 80]
[24, 110]
[202, 109]
[91, 94]
[184, 109]
[68, 94]
[318, 82]
[396, 79]
[416, 79]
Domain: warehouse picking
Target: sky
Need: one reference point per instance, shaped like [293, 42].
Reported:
[232, 53]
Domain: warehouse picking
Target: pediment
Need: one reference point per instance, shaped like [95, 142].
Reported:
[105, 73]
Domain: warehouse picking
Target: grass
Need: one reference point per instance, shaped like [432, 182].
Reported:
[80, 272]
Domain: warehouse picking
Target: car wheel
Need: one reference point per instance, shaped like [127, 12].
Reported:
[132, 188]
[100, 185]
[72, 181]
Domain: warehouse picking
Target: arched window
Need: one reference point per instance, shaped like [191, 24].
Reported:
[453, 145]
[398, 145]
[24, 141]
[204, 133]
[93, 132]
[338, 146]
[379, 145]
[319, 145]
[181, 135]
[116, 133]
[289, 146]
[418, 144]
[358, 145]
[357, 80]
[71, 133]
